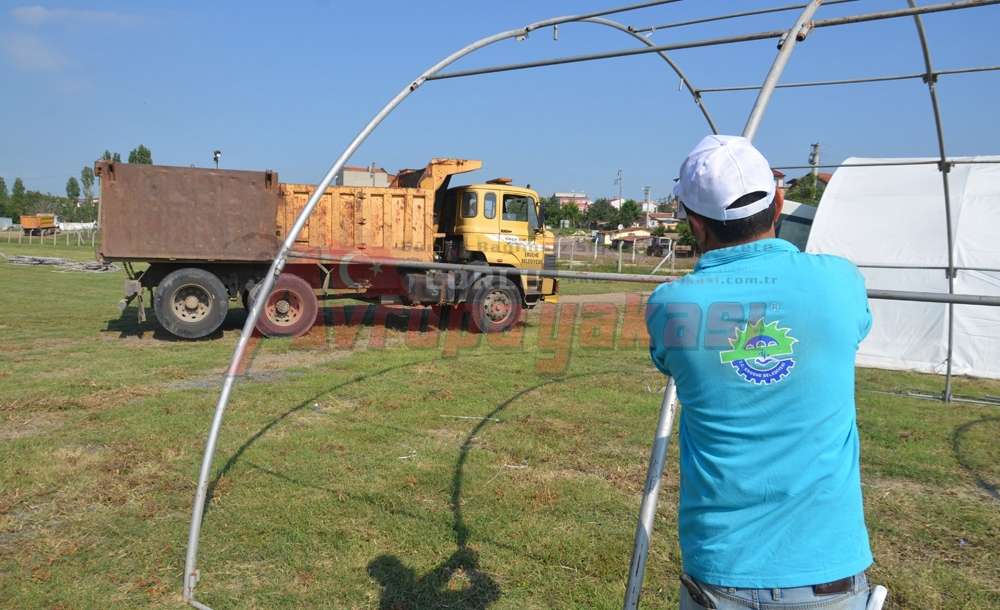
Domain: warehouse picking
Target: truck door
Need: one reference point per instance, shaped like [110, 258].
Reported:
[518, 226]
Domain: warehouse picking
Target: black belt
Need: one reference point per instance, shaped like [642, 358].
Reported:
[837, 586]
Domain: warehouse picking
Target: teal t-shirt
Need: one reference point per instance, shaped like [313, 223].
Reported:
[761, 340]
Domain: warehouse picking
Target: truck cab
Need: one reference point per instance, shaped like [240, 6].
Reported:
[498, 224]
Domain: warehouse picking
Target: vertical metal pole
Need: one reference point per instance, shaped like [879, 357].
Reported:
[633, 252]
[650, 495]
[558, 247]
[572, 250]
[595, 249]
[784, 52]
[620, 244]
[931, 79]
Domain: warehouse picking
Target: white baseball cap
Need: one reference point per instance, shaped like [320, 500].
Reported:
[720, 170]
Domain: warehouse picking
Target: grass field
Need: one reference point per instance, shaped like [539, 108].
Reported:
[368, 466]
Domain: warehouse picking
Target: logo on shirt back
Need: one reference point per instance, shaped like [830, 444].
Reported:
[762, 353]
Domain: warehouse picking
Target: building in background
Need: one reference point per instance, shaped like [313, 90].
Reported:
[617, 202]
[580, 200]
[352, 175]
[651, 220]
[779, 180]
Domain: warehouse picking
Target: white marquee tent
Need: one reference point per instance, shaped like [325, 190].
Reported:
[890, 221]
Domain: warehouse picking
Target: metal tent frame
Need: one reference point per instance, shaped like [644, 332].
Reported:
[788, 39]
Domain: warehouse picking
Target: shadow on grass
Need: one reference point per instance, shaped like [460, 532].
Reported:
[956, 447]
[400, 319]
[128, 325]
[457, 582]
[403, 590]
[235, 457]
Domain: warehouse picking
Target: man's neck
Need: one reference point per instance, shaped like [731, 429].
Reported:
[711, 244]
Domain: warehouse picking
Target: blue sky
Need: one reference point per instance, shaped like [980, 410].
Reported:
[286, 86]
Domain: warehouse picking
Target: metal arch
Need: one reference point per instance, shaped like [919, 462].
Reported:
[695, 93]
[785, 49]
[931, 80]
[191, 573]
[763, 11]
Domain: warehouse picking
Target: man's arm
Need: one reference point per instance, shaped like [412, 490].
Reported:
[655, 324]
[865, 319]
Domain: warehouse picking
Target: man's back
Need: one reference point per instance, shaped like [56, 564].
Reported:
[761, 341]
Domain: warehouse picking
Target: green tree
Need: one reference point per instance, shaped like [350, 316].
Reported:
[806, 190]
[629, 213]
[550, 211]
[72, 189]
[684, 235]
[87, 179]
[141, 156]
[601, 211]
[108, 156]
[659, 231]
[3, 197]
[572, 213]
[17, 203]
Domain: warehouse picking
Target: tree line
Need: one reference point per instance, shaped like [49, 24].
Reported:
[79, 203]
[600, 213]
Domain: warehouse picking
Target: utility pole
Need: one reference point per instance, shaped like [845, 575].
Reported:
[619, 181]
[814, 161]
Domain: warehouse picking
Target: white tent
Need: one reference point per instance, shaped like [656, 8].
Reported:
[890, 221]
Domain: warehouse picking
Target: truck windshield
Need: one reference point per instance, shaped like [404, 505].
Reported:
[515, 207]
[520, 208]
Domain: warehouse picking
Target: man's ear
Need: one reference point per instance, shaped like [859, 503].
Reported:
[779, 203]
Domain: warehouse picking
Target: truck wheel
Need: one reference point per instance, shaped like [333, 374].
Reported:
[290, 310]
[495, 305]
[191, 303]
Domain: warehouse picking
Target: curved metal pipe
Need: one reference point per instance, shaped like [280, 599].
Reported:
[695, 94]
[931, 80]
[191, 574]
[785, 48]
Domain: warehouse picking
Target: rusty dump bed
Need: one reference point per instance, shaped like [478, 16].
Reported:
[38, 221]
[159, 213]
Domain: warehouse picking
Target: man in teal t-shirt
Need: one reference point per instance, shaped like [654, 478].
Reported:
[761, 340]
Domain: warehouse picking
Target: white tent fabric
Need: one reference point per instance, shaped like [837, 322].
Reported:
[894, 216]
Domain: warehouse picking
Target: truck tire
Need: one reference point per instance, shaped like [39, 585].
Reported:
[290, 310]
[495, 305]
[191, 303]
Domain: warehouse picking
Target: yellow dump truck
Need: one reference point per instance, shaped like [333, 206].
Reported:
[39, 224]
[208, 236]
